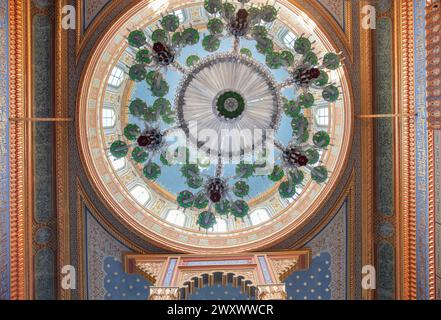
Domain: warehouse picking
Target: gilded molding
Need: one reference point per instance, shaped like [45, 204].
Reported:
[17, 56]
[62, 148]
[433, 24]
[367, 147]
[408, 223]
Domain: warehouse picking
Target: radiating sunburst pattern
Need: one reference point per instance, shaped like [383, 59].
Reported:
[199, 92]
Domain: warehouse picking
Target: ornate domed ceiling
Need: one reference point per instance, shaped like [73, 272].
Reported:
[257, 94]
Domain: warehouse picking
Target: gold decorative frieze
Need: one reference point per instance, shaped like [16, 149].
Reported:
[276, 291]
[164, 293]
[284, 267]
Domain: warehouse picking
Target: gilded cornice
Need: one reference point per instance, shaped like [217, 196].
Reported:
[17, 56]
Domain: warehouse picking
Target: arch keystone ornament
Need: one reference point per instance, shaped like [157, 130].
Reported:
[259, 274]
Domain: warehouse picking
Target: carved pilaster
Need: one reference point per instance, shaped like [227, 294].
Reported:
[164, 293]
[276, 291]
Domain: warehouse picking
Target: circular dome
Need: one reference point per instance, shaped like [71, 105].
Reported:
[181, 65]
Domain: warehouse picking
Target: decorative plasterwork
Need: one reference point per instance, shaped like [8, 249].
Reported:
[4, 156]
[271, 292]
[164, 293]
[17, 53]
[283, 267]
[408, 152]
[433, 29]
[151, 270]
[147, 223]
[245, 269]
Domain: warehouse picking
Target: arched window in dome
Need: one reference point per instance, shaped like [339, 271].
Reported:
[116, 77]
[220, 226]
[176, 217]
[322, 116]
[182, 15]
[288, 39]
[117, 164]
[259, 216]
[141, 194]
[108, 118]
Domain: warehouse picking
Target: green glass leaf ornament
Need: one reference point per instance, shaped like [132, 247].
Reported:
[170, 23]
[206, 220]
[259, 32]
[177, 40]
[244, 170]
[310, 58]
[313, 156]
[215, 26]
[239, 209]
[136, 39]
[287, 190]
[223, 207]
[319, 174]
[192, 60]
[288, 58]
[297, 176]
[138, 108]
[299, 125]
[160, 89]
[163, 159]
[190, 36]
[291, 108]
[143, 56]
[160, 35]
[241, 189]
[274, 60]
[228, 10]
[302, 45]
[331, 93]
[322, 80]
[213, 6]
[200, 201]
[139, 155]
[195, 182]
[132, 131]
[153, 76]
[306, 100]
[321, 139]
[331, 61]
[247, 52]
[119, 149]
[254, 15]
[277, 174]
[137, 72]
[190, 170]
[211, 43]
[152, 171]
[264, 45]
[185, 199]
[151, 115]
[268, 13]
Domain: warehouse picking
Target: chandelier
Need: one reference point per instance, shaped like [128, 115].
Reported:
[226, 91]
